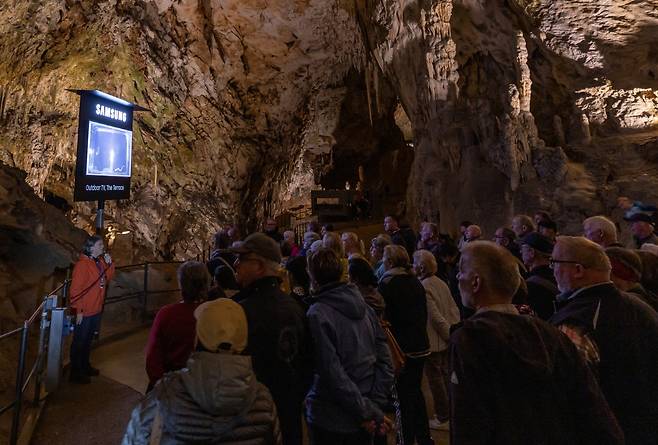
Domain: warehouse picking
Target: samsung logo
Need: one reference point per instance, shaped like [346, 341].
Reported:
[111, 113]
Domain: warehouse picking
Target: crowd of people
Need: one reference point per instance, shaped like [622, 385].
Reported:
[532, 337]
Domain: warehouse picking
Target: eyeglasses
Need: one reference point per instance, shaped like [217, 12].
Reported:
[244, 259]
[552, 262]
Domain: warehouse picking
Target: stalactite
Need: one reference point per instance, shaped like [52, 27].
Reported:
[368, 93]
[378, 101]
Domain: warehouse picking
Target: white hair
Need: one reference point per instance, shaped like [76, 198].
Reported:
[425, 259]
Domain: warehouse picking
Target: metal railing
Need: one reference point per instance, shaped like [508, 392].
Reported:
[43, 313]
[141, 295]
[36, 370]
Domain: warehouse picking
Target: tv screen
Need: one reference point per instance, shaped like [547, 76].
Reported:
[108, 150]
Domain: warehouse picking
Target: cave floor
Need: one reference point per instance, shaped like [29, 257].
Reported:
[98, 413]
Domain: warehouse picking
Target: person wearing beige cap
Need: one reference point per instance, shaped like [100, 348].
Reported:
[217, 398]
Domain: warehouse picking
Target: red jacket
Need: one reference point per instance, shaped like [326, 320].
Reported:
[171, 339]
[86, 294]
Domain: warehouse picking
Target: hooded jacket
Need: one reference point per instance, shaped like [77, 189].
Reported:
[87, 295]
[215, 400]
[353, 372]
[517, 380]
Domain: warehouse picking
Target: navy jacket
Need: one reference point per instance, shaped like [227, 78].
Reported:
[353, 371]
[625, 332]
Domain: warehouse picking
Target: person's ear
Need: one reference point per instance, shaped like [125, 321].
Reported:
[476, 282]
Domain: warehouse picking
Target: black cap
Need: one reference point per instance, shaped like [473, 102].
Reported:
[639, 216]
[538, 242]
[261, 245]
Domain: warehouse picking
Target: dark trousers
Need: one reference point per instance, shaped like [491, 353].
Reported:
[81, 344]
[289, 409]
[318, 436]
[415, 425]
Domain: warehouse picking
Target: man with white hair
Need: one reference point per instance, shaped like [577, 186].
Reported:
[600, 230]
[442, 313]
[515, 379]
[614, 332]
[473, 233]
[522, 225]
[278, 341]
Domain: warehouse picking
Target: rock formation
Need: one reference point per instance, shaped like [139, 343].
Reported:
[474, 109]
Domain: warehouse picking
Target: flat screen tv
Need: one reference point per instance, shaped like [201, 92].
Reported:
[108, 151]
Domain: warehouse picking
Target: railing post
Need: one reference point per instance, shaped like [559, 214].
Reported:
[146, 291]
[42, 342]
[15, 425]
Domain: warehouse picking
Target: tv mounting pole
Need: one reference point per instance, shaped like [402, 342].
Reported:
[100, 217]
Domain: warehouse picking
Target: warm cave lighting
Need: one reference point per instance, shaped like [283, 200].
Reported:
[125, 232]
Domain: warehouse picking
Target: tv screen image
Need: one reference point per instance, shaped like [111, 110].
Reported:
[109, 150]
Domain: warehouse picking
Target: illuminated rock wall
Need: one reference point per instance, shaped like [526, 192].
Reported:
[474, 109]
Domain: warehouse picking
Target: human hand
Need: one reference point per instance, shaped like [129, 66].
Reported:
[107, 258]
[385, 426]
[78, 318]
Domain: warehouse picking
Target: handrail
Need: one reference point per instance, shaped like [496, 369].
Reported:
[37, 368]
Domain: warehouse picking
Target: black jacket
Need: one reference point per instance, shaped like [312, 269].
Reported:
[542, 290]
[517, 380]
[406, 310]
[625, 331]
[278, 340]
[406, 238]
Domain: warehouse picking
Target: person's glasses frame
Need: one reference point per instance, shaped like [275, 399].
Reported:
[552, 262]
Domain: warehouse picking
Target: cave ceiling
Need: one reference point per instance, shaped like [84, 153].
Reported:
[477, 109]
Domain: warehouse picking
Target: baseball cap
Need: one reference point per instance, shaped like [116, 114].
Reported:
[639, 216]
[260, 244]
[221, 325]
[538, 242]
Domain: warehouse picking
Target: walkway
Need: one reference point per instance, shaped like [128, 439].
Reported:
[98, 413]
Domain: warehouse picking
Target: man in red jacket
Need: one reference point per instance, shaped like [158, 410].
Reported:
[91, 274]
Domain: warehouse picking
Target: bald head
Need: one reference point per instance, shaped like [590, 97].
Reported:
[522, 225]
[600, 230]
[488, 274]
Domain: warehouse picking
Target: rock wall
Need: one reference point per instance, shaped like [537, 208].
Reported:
[37, 244]
[519, 105]
[455, 108]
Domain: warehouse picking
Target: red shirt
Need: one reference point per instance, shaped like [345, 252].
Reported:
[171, 339]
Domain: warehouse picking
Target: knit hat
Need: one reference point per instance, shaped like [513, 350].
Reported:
[261, 245]
[221, 325]
[626, 264]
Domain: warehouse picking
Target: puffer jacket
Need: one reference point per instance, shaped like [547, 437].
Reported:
[353, 373]
[215, 400]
